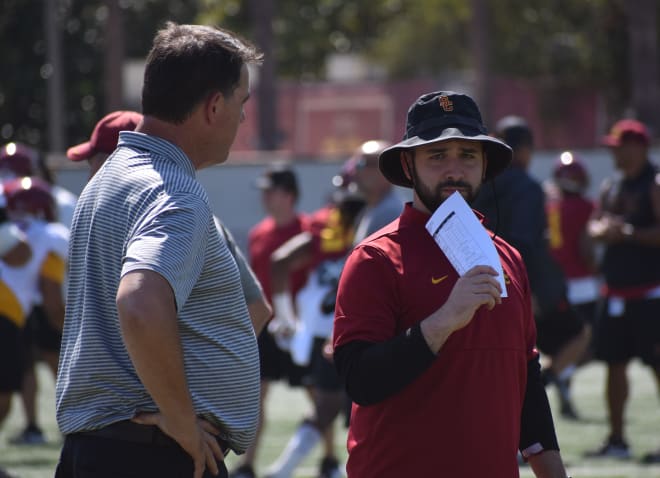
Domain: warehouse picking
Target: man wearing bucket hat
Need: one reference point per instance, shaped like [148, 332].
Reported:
[442, 370]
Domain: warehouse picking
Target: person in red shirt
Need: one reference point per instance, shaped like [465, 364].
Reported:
[442, 370]
[568, 211]
[323, 250]
[280, 191]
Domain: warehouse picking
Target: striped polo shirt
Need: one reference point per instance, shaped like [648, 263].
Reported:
[145, 209]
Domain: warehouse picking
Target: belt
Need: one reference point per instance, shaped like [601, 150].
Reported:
[127, 430]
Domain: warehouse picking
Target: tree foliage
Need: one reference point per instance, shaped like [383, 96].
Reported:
[308, 32]
[557, 43]
[25, 69]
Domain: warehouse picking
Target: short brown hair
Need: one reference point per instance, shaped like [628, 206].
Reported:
[186, 63]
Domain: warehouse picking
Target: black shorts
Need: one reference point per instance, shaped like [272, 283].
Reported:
[12, 359]
[634, 333]
[587, 311]
[556, 327]
[276, 364]
[324, 374]
[40, 334]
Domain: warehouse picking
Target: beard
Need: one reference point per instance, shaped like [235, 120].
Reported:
[432, 198]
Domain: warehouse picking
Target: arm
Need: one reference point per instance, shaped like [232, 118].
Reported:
[373, 370]
[294, 253]
[260, 311]
[258, 306]
[163, 260]
[51, 278]
[548, 464]
[148, 321]
[612, 229]
[53, 303]
[648, 236]
[14, 250]
[537, 430]
[587, 250]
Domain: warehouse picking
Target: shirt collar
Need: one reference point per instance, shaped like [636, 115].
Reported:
[411, 216]
[158, 146]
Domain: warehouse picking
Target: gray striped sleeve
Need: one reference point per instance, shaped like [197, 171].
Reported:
[171, 240]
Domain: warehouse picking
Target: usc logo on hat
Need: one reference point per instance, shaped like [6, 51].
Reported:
[445, 103]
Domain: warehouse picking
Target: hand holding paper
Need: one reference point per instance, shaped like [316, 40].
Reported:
[463, 239]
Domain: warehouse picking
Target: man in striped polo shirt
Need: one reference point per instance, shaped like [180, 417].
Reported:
[159, 369]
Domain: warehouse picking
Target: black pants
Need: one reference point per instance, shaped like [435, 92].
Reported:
[86, 455]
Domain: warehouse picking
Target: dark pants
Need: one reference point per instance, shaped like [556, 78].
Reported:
[88, 455]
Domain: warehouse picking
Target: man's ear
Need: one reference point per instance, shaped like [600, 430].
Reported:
[213, 105]
[405, 157]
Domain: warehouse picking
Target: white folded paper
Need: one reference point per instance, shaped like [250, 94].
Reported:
[463, 239]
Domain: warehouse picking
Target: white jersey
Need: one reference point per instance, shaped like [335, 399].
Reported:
[19, 286]
[321, 287]
[66, 204]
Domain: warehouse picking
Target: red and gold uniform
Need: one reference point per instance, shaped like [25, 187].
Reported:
[567, 221]
[264, 238]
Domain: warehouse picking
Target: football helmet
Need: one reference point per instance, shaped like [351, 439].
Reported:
[569, 173]
[29, 197]
[17, 160]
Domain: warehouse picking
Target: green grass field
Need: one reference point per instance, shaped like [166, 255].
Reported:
[286, 408]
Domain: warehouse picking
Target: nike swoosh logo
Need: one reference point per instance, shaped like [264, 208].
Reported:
[435, 281]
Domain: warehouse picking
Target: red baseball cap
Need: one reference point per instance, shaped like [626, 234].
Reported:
[626, 128]
[105, 135]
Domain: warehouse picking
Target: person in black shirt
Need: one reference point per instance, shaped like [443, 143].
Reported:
[627, 223]
[514, 206]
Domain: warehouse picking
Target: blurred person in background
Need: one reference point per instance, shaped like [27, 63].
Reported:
[155, 309]
[20, 160]
[15, 302]
[383, 204]
[279, 194]
[569, 210]
[31, 206]
[443, 370]
[361, 174]
[514, 206]
[627, 223]
[321, 250]
[103, 142]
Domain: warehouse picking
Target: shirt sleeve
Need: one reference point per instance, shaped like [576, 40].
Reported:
[373, 372]
[171, 240]
[366, 313]
[252, 290]
[536, 424]
[374, 358]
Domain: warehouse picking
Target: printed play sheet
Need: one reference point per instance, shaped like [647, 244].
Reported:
[463, 239]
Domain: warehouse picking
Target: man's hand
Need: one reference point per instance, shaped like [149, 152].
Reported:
[609, 229]
[283, 325]
[199, 441]
[477, 287]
